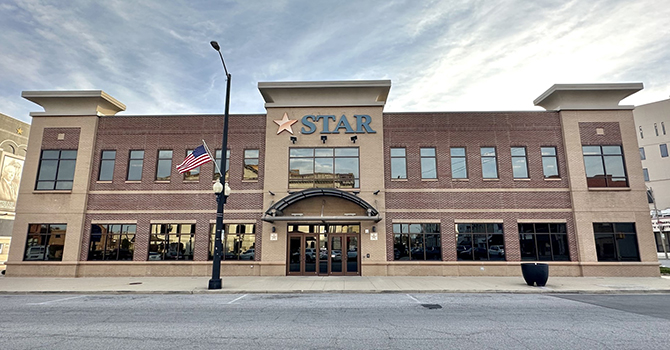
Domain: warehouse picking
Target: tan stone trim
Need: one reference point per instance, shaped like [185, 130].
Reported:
[416, 221]
[497, 179]
[52, 191]
[232, 221]
[399, 180]
[103, 182]
[522, 179]
[172, 221]
[236, 211]
[163, 191]
[609, 188]
[541, 221]
[429, 180]
[511, 210]
[478, 221]
[134, 181]
[469, 190]
[456, 180]
[553, 179]
[113, 221]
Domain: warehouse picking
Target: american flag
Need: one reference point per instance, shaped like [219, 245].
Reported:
[198, 157]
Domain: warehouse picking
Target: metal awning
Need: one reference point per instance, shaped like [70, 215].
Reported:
[276, 211]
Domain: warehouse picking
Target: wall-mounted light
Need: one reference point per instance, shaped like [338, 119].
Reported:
[354, 138]
[375, 192]
[374, 228]
[271, 193]
[356, 192]
[274, 229]
[294, 139]
[324, 138]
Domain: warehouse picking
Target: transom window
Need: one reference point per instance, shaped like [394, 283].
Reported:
[171, 242]
[107, 160]
[239, 242]
[417, 242]
[604, 166]
[112, 242]
[323, 168]
[543, 241]
[616, 241]
[56, 170]
[45, 242]
[480, 241]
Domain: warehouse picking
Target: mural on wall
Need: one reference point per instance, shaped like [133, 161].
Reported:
[9, 181]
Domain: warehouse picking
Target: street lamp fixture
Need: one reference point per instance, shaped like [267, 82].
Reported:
[222, 192]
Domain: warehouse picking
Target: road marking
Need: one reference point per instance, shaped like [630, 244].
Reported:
[230, 302]
[413, 298]
[53, 301]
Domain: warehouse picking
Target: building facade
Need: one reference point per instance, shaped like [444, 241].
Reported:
[13, 143]
[327, 183]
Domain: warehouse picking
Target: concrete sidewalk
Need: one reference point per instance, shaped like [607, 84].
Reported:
[331, 284]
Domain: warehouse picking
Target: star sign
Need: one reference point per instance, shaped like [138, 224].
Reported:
[285, 124]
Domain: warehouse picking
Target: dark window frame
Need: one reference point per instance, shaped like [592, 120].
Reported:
[405, 246]
[248, 164]
[485, 158]
[168, 254]
[103, 162]
[553, 239]
[66, 183]
[645, 173]
[44, 235]
[404, 159]
[217, 159]
[163, 160]
[597, 181]
[237, 238]
[664, 150]
[108, 233]
[492, 231]
[134, 159]
[643, 155]
[525, 161]
[192, 175]
[312, 180]
[546, 159]
[617, 234]
[428, 157]
[463, 158]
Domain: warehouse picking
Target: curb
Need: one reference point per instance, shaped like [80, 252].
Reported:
[465, 291]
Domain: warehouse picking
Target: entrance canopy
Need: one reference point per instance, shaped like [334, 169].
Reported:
[276, 211]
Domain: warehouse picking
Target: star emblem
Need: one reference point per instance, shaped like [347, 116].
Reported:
[285, 124]
[19, 131]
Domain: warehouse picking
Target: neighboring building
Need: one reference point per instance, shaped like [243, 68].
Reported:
[13, 143]
[327, 183]
[652, 123]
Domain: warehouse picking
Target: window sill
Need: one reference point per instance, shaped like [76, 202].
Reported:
[428, 180]
[103, 182]
[521, 179]
[609, 188]
[133, 181]
[249, 180]
[191, 181]
[399, 180]
[161, 182]
[553, 179]
[53, 191]
[490, 179]
[460, 180]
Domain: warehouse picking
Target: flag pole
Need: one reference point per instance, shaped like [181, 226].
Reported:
[210, 155]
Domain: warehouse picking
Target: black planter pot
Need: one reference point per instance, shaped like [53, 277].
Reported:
[535, 273]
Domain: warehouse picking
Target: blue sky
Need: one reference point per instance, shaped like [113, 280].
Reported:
[155, 57]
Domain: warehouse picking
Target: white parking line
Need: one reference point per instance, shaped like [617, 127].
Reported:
[232, 301]
[413, 298]
[53, 301]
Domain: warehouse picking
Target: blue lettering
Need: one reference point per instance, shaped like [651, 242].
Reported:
[326, 120]
[344, 123]
[363, 121]
[309, 124]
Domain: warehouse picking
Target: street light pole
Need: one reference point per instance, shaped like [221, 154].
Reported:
[221, 193]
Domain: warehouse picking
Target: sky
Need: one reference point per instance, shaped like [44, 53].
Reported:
[155, 56]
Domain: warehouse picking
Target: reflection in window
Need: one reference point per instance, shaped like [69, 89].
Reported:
[112, 242]
[193, 174]
[543, 242]
[459, 165]
[604, 166]
[549, 162]
[171, 242]
[417, 242]
[135, 164]
[642, 155]
[323, 168]
[616, 241]
[45, 242]
[218, 161]
[164, 165]
[56, 170]
[250, 164]
[107, 160]
[645, 172]
[239, 242]
[664, 150]
[398, 163]
[519, 163]
[480, 241]
[489, 164]
[428, 163]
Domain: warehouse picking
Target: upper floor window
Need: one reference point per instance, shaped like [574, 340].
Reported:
[519, 163]
[475, 241]
[239, 242]
[656, 129]
[107, 160]
[218, 161]
[642, 155]
[489, 163]
[398, 163]
[663, 127]
[45, 242]
[459, 164]
[645, 172]
[323, 168]
[171, 242]
[664, 150]
[135, 164]
[544, 242]
[604, 166]
[112, 242]
[428, 163]
[641, 133]
[164, 165]
[56, 170]
[616, 241]
[193, 174]
[549, 162]
[250, 164]
[417, 242]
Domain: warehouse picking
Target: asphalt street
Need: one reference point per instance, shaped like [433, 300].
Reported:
[335, 321]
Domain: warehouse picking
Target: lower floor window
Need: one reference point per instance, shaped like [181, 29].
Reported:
[45, 242]
[112, 242]
[616, 241]
[171, 242]
[543, 242]
[417, 242]
[480, 241]
[239, 242]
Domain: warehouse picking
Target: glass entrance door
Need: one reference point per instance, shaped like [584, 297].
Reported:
[323, 250]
